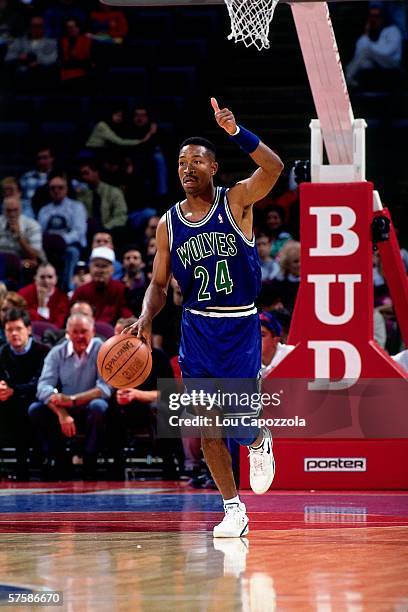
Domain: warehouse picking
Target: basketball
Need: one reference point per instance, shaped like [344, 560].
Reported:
[124, 361]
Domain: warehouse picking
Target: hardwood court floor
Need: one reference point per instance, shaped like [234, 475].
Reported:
[148, 547]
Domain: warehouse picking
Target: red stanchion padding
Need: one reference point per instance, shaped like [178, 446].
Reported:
[337, 380]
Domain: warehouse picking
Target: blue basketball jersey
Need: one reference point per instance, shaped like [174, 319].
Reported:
[216, 266]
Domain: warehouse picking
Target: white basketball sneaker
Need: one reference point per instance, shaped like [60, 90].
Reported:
[234, 524]
[262, 464]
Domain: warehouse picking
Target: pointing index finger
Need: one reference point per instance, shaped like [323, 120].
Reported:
[214, 104]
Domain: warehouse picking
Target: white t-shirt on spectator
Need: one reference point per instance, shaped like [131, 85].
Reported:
[281, 351]
[402, 359]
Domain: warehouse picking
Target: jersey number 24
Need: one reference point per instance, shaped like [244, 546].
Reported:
[223, 280]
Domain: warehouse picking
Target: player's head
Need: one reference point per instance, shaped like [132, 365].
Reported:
[197, 165]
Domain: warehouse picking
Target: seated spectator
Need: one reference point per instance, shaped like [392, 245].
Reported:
[106, 295]
[81, 275]
[378, 274]
[118, 170]
[396, 13]
[12, 300]
[269, 267]
[167, 325]
[42, 194]
[51, 337]
[376, 64]
[122, 323]
[20, 234]
[110, 132]
[105, 239]
[149, 162]
[66, 219]
[105, 204]
[9, 300]
[75, 57]
[21, 362]
[380, 329]
[45, 302]
[134, 278]
[33, 57]
[138, 406]
[12, 189]
[38, 177]
[286, 283]
[151, 250]
[82, 308]
[274, 221]
[108, 24]
[70, 390]
[57, 15]
[151, 228]
[272, 350]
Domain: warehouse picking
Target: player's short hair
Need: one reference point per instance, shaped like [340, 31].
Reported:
[202, 142]
[15, 314]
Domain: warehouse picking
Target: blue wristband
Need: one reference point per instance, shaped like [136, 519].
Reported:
[246, 140]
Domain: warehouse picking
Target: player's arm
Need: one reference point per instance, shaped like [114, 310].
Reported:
[257, 186]
[156, 293]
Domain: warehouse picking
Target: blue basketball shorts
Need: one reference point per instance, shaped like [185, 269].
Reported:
[227, 352]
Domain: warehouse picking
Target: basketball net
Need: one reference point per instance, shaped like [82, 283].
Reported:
[250, 20]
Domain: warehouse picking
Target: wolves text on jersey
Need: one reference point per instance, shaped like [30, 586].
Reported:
[205, 245]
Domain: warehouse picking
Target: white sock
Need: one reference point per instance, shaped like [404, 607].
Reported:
[233, 500]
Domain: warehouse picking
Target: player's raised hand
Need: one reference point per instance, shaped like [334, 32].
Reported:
[224, 117]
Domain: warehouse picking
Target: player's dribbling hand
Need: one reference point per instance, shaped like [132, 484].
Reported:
[224, 117]
[142, 329]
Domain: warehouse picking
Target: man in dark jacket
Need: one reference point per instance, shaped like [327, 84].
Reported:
[21, 362]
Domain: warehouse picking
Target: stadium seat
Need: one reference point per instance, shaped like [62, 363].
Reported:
[128, 80]
[16, 138]
[62, 136]
[174, 79]
[39, 327]
[10, 270]
[104, 329]
[62, 108]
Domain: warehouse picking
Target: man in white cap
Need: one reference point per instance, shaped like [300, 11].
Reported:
[106, 295]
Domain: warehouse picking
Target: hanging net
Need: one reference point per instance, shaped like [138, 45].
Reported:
[250, 20]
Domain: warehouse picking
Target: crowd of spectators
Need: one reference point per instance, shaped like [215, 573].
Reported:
[77, 250]
[58, 43]
[45, 308]
[121, 172]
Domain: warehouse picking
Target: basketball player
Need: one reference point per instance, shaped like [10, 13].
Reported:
[207, 243]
